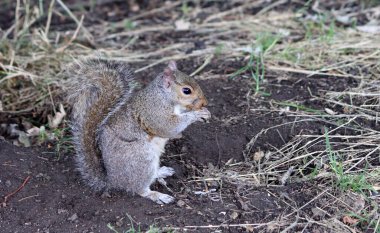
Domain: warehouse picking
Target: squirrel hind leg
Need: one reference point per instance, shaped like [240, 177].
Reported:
[159, 198]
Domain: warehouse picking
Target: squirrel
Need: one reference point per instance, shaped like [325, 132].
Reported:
[119, 133]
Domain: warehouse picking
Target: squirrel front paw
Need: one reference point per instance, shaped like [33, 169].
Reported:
[203, 114]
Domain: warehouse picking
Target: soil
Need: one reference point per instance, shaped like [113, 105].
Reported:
[55, 199]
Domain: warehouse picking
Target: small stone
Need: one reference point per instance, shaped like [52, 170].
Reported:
[119, 222]
[23, 138]
[318, 212]
[220, 219]
[64, 196]
[106, 195]
[182, 25]
[234, 215]
[184, 149]
[8, 183]
[28, 224]
[62, 211]
[181, 203]
[73, 217]
[257, 156]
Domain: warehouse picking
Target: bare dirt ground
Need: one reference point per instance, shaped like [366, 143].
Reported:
[293, 88]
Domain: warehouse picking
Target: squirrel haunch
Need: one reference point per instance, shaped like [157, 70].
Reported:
[120, 133]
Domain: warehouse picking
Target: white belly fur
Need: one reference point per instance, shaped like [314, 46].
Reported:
[158, 145]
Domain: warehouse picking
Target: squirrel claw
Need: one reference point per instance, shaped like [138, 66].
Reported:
[159, 198]
[162, 181]
[205, 120]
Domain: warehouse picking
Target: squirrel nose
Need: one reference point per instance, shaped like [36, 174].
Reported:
[200, 102]
[204, 104]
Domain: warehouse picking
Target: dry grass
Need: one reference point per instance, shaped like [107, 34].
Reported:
[289, 41]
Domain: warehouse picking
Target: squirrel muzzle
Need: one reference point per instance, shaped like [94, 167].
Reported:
[198, 104]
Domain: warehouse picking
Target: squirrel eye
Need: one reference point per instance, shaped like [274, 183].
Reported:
[186, 91]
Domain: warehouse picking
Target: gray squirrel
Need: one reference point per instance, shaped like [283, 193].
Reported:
[119, 133]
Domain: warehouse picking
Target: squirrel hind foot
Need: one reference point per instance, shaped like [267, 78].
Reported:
[159, 198]
[164, 172]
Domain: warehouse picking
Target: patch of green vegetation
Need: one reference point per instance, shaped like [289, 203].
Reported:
[266, 41]
[218, 49]
[255, 65]
[42, 136]
[291, 54]
[320, 29]
[308, 172]
[369, 3]
[357, 183]
[348, 51]
[366, 219]
[305, 7]
[299, 107]
[152, 229]
[185, 8]
[3, 74]
[63, 142]
[129, 24]
[132, 229]
[314, 173]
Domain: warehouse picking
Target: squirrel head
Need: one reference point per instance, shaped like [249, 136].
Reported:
[183, 89]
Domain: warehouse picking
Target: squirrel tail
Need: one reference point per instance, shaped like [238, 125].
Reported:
[96, 87]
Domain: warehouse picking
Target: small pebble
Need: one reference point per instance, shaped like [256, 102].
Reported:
[184, 149]
[234, 215]
[220, 219]
[106, 195]
[73, 217]
[119, 222]
[181, 203]
[62, 211]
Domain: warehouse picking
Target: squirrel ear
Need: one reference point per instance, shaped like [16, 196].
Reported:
[168, 77]
[169, 74]
[172, 65]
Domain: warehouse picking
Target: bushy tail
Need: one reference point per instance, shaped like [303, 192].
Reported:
[96, 86]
